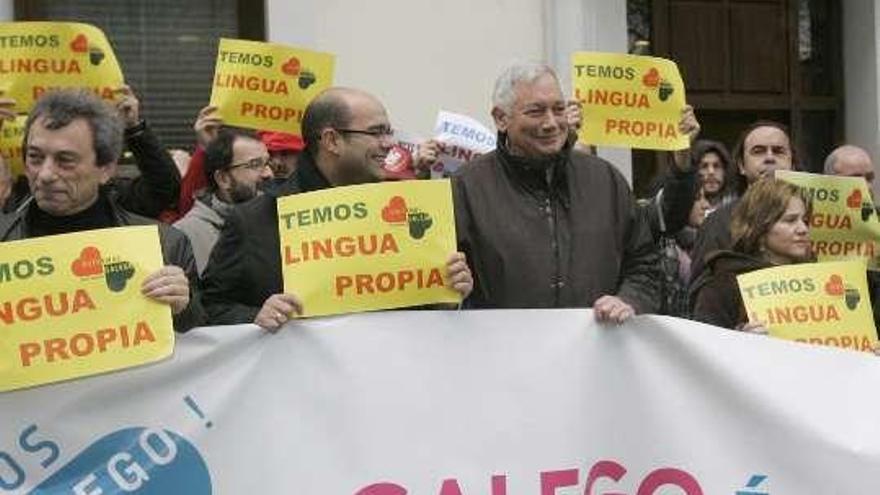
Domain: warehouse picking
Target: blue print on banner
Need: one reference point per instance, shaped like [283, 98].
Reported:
[143, 461]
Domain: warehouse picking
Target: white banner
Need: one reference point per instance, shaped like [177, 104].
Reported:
[523, 402]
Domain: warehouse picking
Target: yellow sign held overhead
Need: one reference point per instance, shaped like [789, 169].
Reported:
[629, 100]
[267, 86]
[368, 247]
[36, 57]
[817, 303]
[71, 306]
[844, 223]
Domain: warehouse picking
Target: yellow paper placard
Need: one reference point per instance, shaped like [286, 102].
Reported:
[368, 247]
[844, 223]
[820, 303]
[71, 306]
[11, 136]
[267, 86]
[36, 57]
[629, 100]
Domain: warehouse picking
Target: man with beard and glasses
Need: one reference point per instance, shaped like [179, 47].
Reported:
[236, 165]
[347, 138]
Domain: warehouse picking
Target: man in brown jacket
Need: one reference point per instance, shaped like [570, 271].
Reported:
[545, 226]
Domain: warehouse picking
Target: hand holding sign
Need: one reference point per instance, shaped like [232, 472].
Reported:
[170, 286]
[458, 275]
[427, 155]
[612, 309]
[128, 106]
[690, 127]
[208, 124]
[277, 310]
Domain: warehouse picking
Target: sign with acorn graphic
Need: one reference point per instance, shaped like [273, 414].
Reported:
[844, 224]
[267, 86]
[816, 303]
[71, 305]
[629, 100]
[36, 57]
[368, 247]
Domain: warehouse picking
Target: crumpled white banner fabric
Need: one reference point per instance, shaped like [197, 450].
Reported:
[520, 402]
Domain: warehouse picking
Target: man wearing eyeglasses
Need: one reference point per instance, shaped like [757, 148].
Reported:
[236, 165]
[347, 138]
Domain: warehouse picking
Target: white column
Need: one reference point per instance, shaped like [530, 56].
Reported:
[861, 45]
[586, 25]
[7, 10]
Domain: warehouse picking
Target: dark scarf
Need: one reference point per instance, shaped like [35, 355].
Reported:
[544, 176]
[98, 216]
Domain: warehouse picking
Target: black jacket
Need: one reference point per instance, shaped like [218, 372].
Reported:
[176, 250]
[158, 186]
[556, 234]
[245, 265]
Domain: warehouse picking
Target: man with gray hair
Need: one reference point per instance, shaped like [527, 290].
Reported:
[547, 226]
[850, 161]
[72, 141]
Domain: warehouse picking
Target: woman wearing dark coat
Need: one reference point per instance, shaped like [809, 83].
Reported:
[769, 228]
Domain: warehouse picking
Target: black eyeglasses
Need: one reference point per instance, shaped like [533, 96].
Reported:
[252, 164]
[377, 133]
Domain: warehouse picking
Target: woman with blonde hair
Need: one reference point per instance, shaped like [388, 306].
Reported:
[769, 228]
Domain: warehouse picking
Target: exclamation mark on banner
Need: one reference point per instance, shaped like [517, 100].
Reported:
[195, 408]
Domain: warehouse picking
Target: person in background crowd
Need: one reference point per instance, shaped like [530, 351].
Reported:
[347, 137]
[545, 226]
[762, 148]
[72, 143]
[715, 171]
[284, 150]
[675, 261]
[850, 161]
[237, 165]
[769, 227]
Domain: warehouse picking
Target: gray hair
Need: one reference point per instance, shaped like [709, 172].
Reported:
[503, 95]
[60, 108]
[841, 152]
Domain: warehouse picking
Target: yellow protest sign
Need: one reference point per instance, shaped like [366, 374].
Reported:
[844, 223]
[819, 303]
[368, 247]
[629, 100]
[11, 136]
[267, 86]
[71, 306]
[36, 57]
